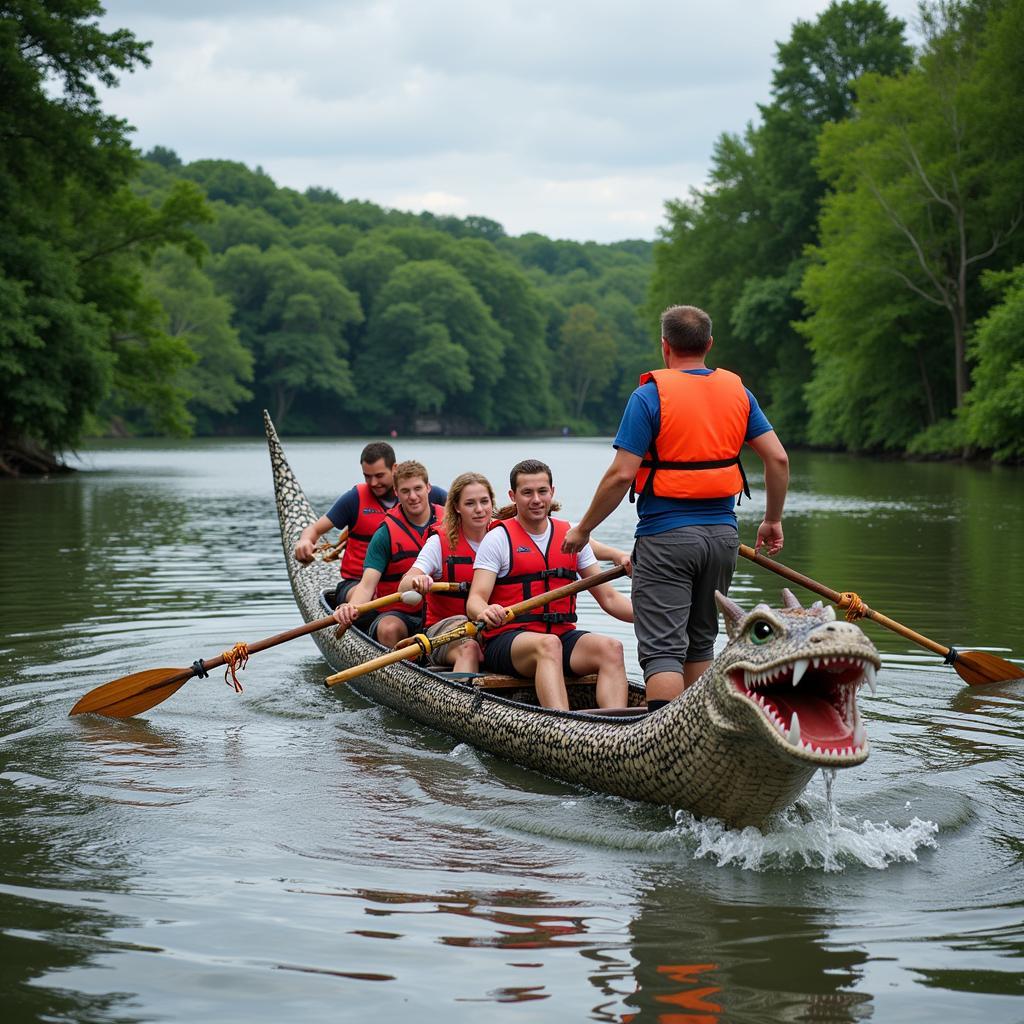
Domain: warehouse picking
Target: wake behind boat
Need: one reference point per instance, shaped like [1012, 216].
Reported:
[739, 745]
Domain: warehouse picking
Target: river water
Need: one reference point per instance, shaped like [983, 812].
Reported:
[297, 853]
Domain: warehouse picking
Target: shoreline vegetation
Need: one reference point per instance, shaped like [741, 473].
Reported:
[860, 248]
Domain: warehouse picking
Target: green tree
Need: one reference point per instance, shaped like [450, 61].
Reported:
[922, 202]
[294, 319]
[527, 402]
[75, 318]
[737, 247]
[432, 293]
[194, 312]
[993, 413]
[586, 357]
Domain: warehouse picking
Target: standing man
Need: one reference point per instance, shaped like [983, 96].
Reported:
[390, 554]
[361, 510]
[523, 557]
[679, 445]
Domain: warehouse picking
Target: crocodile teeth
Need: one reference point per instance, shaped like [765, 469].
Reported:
[794, 731]
[869, 677]
[859, 735]
[799, 668]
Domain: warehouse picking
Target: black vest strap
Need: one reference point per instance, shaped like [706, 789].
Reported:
[654, 464]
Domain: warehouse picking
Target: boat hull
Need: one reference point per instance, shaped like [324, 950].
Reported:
[666, 758]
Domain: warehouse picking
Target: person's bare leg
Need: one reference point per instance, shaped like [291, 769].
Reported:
[540, 655]
[692, 671]
[665, 686]
[466, 657]
[603, 655]
[391, 630]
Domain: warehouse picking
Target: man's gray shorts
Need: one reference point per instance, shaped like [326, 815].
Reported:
[675, 576]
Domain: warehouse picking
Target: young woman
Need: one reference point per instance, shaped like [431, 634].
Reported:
[448, 557]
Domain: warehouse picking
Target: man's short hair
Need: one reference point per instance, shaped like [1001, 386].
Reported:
[377, 450]
[410, 468]
[527, 468]
[687, 330]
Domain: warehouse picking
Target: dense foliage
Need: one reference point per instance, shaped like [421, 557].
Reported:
[859, 248]
[841, 242]
[76, 321]
[342, 316]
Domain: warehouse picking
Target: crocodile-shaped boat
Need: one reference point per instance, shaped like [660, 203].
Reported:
[741, 744]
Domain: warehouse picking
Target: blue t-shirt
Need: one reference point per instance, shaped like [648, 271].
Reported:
[345, 511]
[639, 427]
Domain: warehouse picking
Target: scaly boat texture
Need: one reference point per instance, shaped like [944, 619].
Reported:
[741, 744]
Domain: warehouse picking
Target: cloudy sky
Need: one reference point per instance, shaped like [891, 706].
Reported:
[575, 118]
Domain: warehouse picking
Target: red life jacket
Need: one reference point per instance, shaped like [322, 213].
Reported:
[532, 572]
[406, 544]
[703, 426]
[456, 567]
[370, 515]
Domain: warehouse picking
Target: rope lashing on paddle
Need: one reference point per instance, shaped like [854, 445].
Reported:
[330, 551]
[235, 660]
[855, 607]
[200, 669]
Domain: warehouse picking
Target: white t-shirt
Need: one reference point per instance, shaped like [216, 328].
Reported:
[494, 554]
[429, 558]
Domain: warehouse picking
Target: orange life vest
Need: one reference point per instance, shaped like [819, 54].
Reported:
[703, 426]
[370, 515]
[456, 567]
[532, 572]
[406, 544]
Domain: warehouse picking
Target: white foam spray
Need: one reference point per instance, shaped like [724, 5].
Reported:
[813, 834]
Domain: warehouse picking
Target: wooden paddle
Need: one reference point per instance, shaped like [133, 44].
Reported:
[422, 644]
[131, 695]
[973, 667]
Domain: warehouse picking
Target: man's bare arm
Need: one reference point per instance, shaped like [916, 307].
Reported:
[776, 483]
[308, 538]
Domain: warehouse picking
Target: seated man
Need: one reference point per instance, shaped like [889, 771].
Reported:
[360, 510]
[522, 557]
[391, 553]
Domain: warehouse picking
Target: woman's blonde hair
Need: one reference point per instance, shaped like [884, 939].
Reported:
[451, 515]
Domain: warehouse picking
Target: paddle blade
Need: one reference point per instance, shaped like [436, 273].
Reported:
[131, 695]
[978, 667]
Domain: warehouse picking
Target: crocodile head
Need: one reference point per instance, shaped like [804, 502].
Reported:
[791, 675]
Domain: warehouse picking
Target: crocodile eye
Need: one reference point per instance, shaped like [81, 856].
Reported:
[761, 632]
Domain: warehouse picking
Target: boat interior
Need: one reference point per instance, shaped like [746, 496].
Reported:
[580, 689]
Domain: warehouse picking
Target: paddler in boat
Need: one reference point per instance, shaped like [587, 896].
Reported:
[361, 510]
[678, 448]
[522, 557]
[448, 556]
[391, 553]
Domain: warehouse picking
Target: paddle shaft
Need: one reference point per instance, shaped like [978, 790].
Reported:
[133, 694]
[309, 627]
[836, 598]
[423, 644]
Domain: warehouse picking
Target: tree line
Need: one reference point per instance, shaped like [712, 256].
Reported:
[859, 247]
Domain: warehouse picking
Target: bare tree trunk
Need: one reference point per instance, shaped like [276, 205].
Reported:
[928, 393]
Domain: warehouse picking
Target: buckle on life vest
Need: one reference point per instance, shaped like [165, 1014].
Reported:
[556, 617]
[562, 574]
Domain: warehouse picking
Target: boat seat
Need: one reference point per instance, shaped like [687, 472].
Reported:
[634, 712]
[497, 682]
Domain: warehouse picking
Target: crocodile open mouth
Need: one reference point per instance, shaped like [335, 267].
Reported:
[812, 703]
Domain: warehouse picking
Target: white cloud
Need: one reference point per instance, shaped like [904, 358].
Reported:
[577, 119]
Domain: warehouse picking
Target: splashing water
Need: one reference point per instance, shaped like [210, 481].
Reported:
[807, 836]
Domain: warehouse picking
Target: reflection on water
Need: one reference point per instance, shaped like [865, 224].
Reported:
[296, 852]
